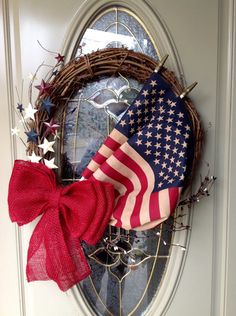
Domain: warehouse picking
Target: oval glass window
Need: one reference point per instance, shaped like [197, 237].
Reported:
[127, 266]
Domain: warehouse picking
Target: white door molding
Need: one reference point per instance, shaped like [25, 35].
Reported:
[12, 299]
[224, 254]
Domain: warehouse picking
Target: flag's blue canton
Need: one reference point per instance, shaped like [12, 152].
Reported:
[159, 129]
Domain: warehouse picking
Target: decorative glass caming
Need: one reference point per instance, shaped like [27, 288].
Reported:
[90, 116]
[127, 266]
[117, 27]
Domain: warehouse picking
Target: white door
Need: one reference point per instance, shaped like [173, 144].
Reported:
[203, 33]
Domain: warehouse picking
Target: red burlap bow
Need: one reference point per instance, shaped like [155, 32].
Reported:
[80, 211]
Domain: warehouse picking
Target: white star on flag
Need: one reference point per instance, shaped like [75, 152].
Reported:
[131, 122]
[180, 115]
[34, 158]
[148, 144]
[139, 112]
[50, 163]
[153, 83]
[139, 142]
[122, 123]
[29, 112]
[148, 134]
[47, 146]
[145, 93]
[137, 103]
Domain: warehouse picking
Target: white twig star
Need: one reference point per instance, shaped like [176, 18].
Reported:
[15, 131]
[34, 158]
[32, 76]
[50, 163]
[47, 146]
[29, 112]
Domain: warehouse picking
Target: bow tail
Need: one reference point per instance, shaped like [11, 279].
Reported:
[54, 254]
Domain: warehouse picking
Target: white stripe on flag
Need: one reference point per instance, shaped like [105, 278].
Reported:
[118, 136]
[131, 198]
[164, 203]
[151, 224]
[144, 210]
[105, 151]
[93, 166]
[101, 176]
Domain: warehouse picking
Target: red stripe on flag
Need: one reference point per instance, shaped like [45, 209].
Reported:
[99, 158]
[131, 164]
[111, 143]
[174, 197]
[87, 173]
[117, 176]
[154, 208]
[112, 173]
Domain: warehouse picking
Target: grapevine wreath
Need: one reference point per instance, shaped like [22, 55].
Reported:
[82, 210]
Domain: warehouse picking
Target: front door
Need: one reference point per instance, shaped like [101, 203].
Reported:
[196, 36]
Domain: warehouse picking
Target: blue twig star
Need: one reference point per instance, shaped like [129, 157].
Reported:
[20, 107]
[47, 104]
[32, 136]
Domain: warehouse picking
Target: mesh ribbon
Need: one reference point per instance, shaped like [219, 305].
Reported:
[79, 211]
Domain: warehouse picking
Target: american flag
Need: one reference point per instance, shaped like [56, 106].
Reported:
[145, 157]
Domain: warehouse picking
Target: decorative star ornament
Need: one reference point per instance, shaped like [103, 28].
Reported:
[50, 163]
[56, 135]
[51, 127]
[60, 58]
[15, 131]
[55, 72]
[44, 88]
[32, 77]
[34, 158]
[29, 112]
[32, 136]
[20, 107]
[47, 104]
[47, 146]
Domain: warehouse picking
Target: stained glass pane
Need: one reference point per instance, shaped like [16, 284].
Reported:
[115, 28]
[89, 117]
[126, 283]
[127, 266]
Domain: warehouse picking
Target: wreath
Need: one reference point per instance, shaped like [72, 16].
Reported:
[63, 85]
[81, 211]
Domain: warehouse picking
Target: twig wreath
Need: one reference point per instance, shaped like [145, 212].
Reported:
[62, 85]
[81, 211]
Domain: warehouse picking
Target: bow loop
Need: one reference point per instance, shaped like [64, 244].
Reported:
[28, 191]
[80, 211]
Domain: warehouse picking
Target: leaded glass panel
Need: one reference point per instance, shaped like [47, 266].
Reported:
[127, 266]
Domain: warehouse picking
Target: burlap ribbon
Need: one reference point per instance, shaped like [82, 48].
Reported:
[80, 211]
